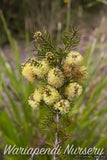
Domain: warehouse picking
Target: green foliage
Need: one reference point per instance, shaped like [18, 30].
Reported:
[102, 1]
[44, 43]
[13, 11]
[17, 120]
[71, 39]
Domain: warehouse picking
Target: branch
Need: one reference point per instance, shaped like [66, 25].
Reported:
[57, 136]
[37, 49]
[64, 126]
[72, 36]
[48, 43]
[50, 109]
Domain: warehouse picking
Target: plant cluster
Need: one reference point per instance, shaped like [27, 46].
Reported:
[57, 73]
[57, 76]
[21, 125]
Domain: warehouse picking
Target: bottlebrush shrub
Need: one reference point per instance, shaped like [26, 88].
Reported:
[57, 73]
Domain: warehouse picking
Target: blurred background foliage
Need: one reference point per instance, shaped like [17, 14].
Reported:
[28, 14]
[18, 123]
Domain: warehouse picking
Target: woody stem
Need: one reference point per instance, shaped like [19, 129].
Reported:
[56, 135]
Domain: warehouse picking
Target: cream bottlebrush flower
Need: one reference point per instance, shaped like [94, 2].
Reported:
[73, 90]
[37, 96]
[50, 95]
[63, 106]
[28, 73]
[41, 68]
[55, 77]
[33, 104]
[72, 60]
[68, 69]
[80, 73]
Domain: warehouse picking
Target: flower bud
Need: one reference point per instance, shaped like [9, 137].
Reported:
[50, 57]
[37, 35]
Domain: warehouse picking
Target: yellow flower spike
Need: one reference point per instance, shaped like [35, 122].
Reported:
[28, 73]
[33, 104]
[80, 73]
[63, 106]
[41, 68]
[73, 90]
[72, 60]
[37, 96]
[50, 95]
[56, 78]
[68, 69]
